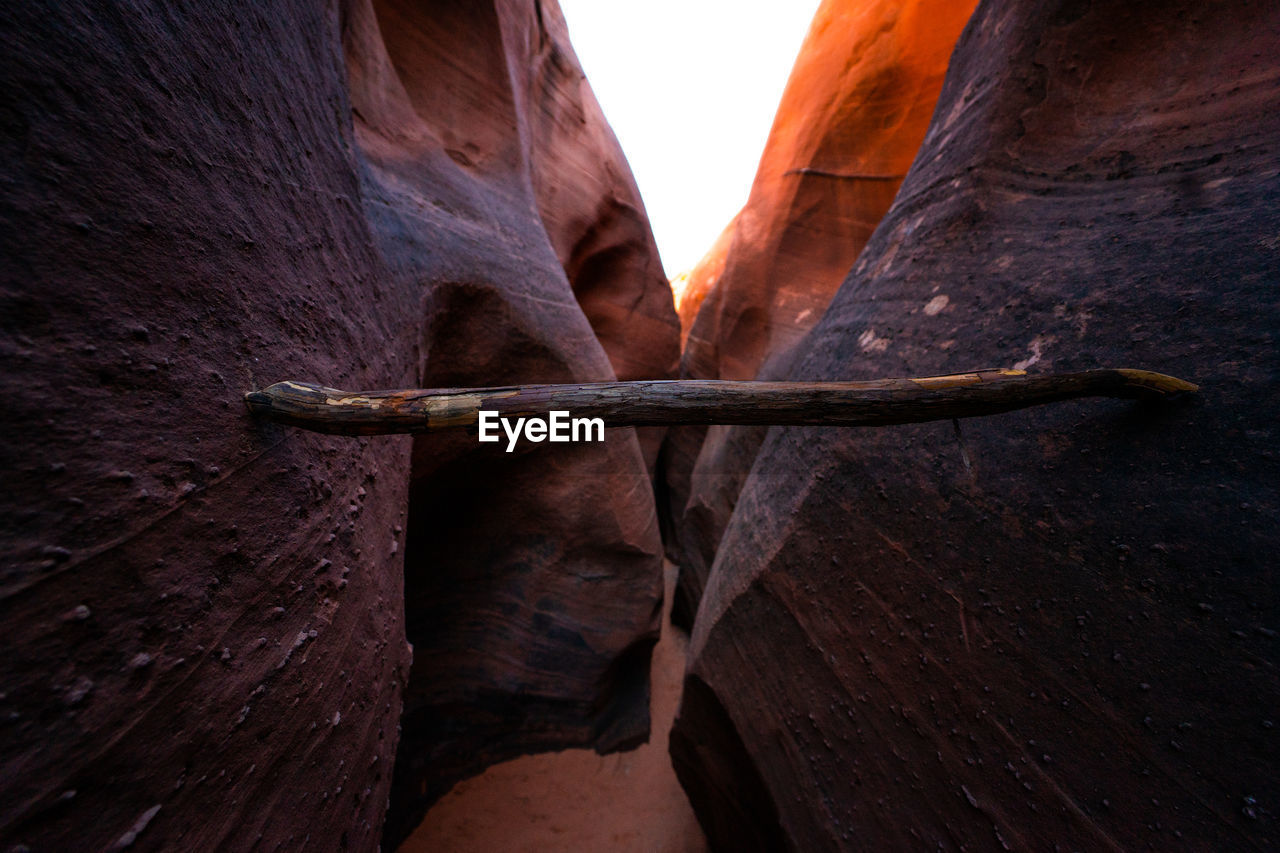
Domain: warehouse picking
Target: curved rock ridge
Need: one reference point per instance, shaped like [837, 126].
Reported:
[533, 581]
[1055, 628]
[592, 212]
[591, 209]
[207, 616]
[850, 122]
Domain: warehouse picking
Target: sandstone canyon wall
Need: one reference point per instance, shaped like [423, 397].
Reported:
[1054, 629]
[206, 617]
[849, 124]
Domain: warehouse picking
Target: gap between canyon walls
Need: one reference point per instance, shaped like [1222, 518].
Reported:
[852, 679]
[853, 115]
[1070, 641]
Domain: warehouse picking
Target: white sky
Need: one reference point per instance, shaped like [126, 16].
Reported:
[690, 88]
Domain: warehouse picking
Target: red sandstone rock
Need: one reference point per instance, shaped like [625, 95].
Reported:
[592, 212]
[850, 122]
[205, 641]
[691, 288]
[1067, 641]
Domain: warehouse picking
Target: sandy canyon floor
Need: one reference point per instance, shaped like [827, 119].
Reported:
[577, 800]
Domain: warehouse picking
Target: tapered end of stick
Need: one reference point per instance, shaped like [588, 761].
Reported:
[259, 402]
[1156, 383]
[288, 398]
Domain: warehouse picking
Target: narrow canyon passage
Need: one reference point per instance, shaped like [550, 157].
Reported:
[627, 802]
[1054, 628]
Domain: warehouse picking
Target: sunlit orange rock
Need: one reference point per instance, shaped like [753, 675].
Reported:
[691, 287]
[851, 119]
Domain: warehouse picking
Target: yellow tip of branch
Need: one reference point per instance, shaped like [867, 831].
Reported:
[1157, 381]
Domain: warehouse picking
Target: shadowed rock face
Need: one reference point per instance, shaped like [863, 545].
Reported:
[1067, 639]
[533, 579]
[850, 122]
[202, 615]
[206, 617]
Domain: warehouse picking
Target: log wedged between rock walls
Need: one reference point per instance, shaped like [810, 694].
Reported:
[850, 122]
[1070, 640]
[206, 614]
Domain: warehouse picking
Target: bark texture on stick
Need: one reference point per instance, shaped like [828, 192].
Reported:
[879, 402]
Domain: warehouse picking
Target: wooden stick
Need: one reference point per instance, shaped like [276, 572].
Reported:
[879, 402]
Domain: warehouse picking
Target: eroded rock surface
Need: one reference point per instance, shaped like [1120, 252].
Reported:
[206, 616]
[850, 122]
[532, 579]
[1055, 627]
[203, 615]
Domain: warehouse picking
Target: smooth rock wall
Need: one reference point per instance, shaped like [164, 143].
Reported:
[1053, 628]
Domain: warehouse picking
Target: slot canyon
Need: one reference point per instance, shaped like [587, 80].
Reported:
[1054, 628]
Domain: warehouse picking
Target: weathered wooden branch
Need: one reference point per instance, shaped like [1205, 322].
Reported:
[879, 402]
